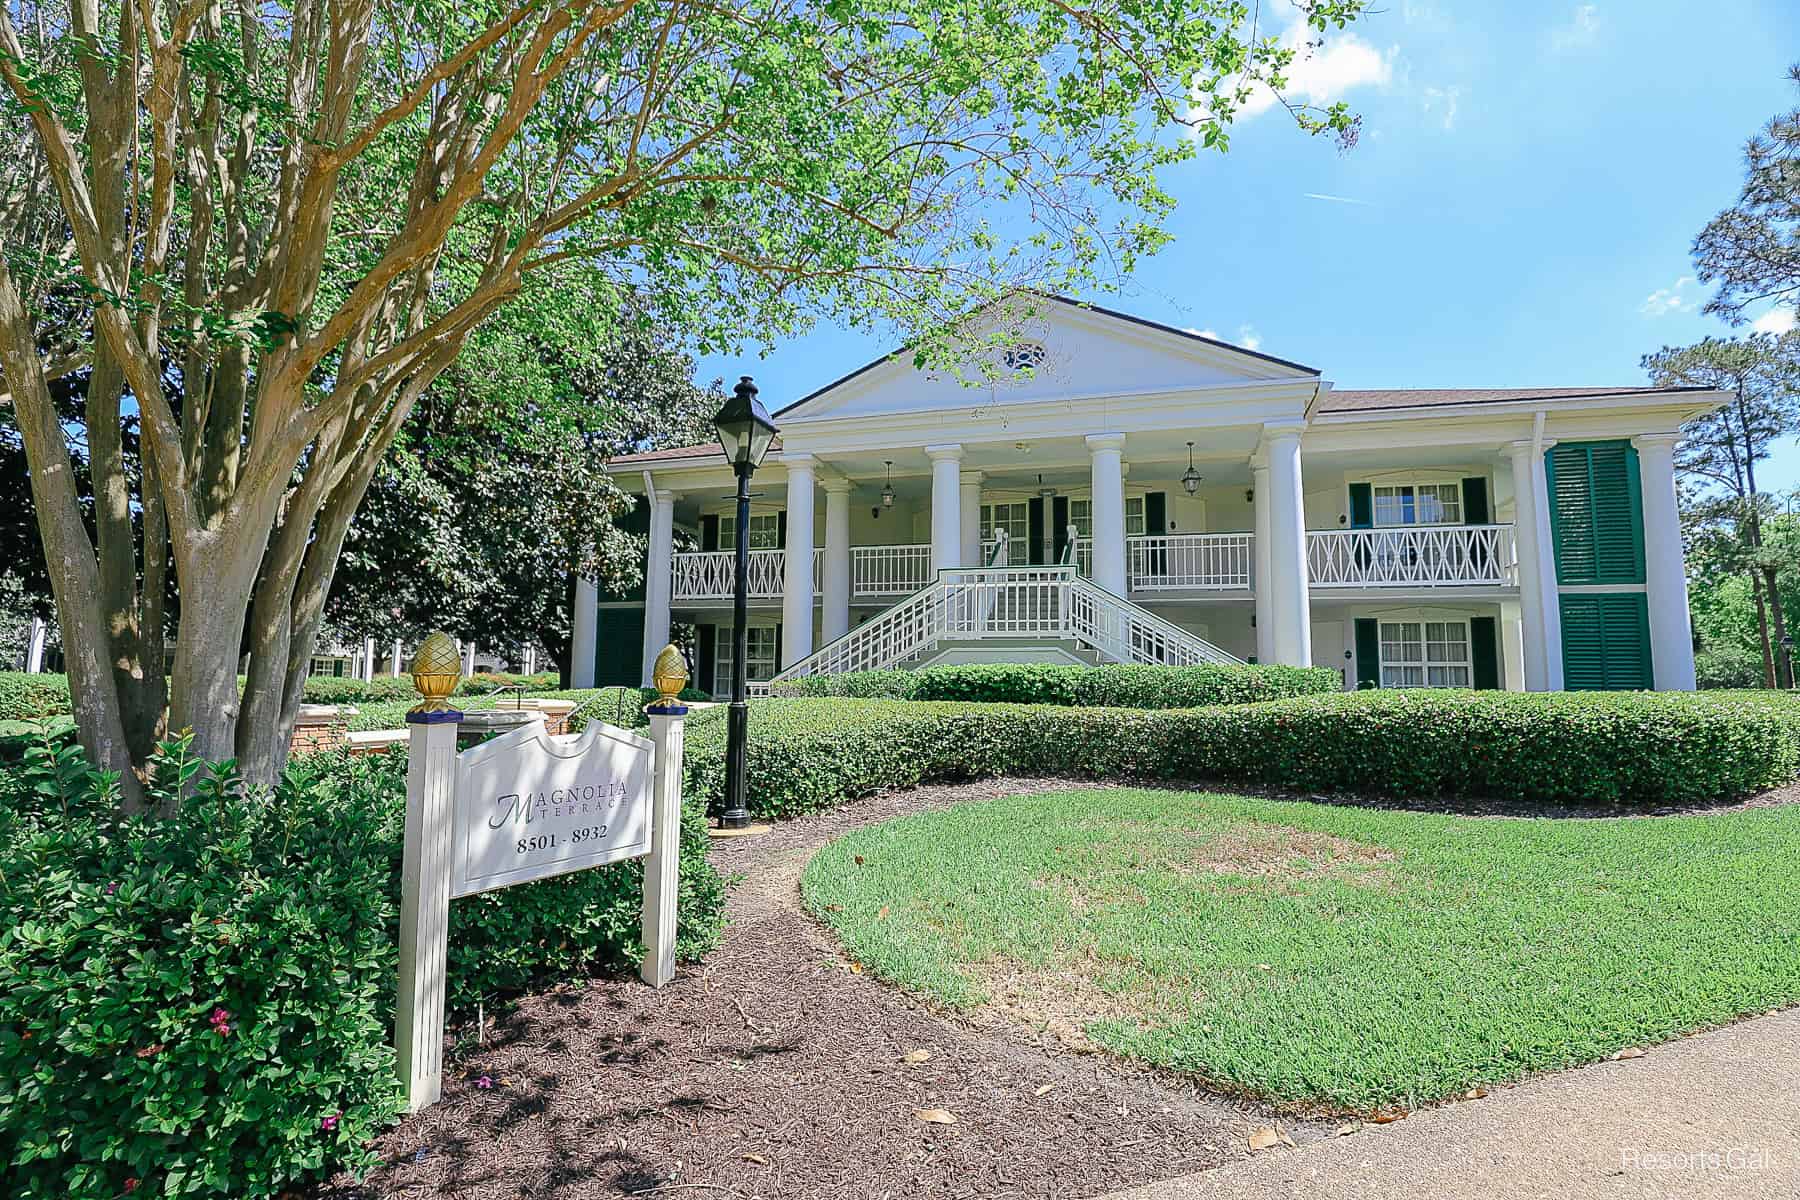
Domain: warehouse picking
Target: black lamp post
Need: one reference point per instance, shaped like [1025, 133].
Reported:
[745, 432]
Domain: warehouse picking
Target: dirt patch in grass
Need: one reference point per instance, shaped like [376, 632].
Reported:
[1056, 1000]
[1272, 852]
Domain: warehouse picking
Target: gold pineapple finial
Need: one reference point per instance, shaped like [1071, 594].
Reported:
[669, 674]
[436, 670]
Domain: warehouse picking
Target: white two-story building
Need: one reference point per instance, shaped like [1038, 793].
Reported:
[1131, 492]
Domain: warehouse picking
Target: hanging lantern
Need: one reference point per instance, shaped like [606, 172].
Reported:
[887, 491]
[1190, 478]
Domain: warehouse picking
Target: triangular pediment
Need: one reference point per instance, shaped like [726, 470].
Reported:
[1077, 351]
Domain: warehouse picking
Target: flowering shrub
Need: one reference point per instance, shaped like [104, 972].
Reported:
[203, 1005]
[1565, 748]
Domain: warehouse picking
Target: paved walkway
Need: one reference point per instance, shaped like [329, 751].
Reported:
[1713, 1115]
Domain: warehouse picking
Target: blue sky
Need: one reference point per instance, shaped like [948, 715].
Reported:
[1519, 211]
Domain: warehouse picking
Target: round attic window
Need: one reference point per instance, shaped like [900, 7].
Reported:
[1024, 356]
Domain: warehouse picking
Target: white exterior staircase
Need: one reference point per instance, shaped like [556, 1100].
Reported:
[1018, 605]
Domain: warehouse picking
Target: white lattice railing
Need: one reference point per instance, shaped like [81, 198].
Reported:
[1427, 555]
[889, 570]
[1124, 632]
[709, 574]
[1178, 561]
[1051, 603]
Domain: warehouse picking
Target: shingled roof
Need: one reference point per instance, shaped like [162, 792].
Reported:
[1383, 399]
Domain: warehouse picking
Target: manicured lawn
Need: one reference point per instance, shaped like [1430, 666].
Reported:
[1320, 956]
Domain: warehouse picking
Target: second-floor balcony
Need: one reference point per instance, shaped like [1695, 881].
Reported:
[1423, 556]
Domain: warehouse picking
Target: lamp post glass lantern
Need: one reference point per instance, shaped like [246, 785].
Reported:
[745, 432]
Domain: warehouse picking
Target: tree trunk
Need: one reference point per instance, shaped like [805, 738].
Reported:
[1762, 630]
[1784, 664]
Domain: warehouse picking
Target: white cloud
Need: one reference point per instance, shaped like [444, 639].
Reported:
[1441, 103]
[1776, 320]
[1581, 30]
[1673, 299]
[1421, 14]
[1248, 338]
[1322, 73]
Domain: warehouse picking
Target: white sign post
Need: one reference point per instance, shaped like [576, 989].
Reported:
[526, 806]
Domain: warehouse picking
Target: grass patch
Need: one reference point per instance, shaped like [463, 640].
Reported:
[1318, 956]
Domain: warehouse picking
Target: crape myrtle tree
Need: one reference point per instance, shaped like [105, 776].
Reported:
[267, 229]
[496, 495]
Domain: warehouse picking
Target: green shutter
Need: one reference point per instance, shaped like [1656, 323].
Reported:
[1606, 642]
[1059, 517]
[709, 533]
[1484, 651]
[1475, 500]
[1035, 530]
[707, 651]
[619, 647]
[1596, 513]
[1368, 651]
[1362, 506]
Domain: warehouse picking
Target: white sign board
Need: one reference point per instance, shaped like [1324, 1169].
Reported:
[530, 805]
[525, 806]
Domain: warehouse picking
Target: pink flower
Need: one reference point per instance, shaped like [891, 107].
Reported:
[331, 1123]
[221, 1022]
[112, 887]
[485, 1082]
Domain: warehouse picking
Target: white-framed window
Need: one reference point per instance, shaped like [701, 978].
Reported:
[765, 531]
[1014, 519]
[1425, 654]
[759, 656]
[1081, 516]
[1418, 504]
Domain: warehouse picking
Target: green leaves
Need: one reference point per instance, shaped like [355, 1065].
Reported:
[1649, 749]
[122, 940]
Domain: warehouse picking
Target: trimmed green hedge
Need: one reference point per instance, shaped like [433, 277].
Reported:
[1117, 686]
[1640, 749]
[28, 697]
[203, 1005]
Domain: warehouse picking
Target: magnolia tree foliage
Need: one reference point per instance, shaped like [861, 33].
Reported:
[267, 229]
[496, 494]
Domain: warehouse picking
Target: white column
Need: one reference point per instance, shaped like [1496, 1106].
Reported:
[659, 568]
[1261, 579]
[797, 581]
[368, 659]
[835, 589]
[425, 906]
[1512, 645]
[34, 650]
[394, 668]
[1540, 611]
[971, 518]
[531, 660]
[1290, 602]
[946, 506]
[582, 641]
[1665, 570]
[1107, 476]
[468, 658]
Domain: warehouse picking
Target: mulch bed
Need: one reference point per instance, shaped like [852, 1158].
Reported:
[773, 1070]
